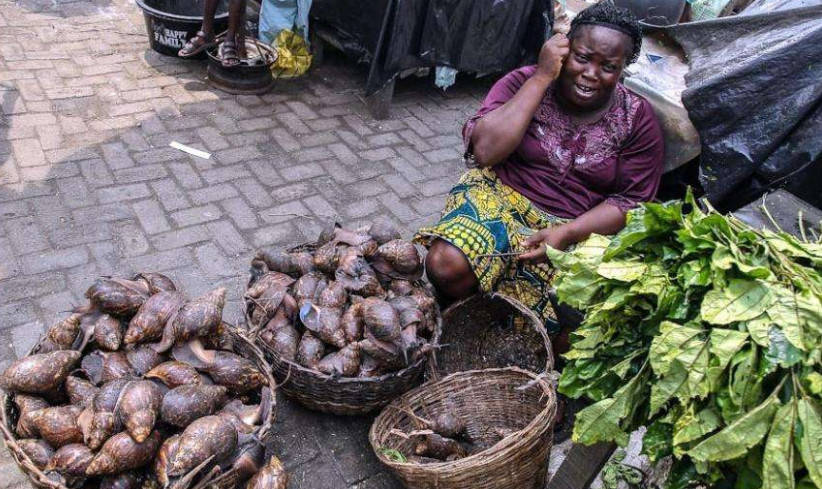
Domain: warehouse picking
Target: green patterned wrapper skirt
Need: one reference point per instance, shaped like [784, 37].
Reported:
[482, 216]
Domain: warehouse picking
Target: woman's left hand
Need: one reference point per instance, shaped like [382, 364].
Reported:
[558, 237]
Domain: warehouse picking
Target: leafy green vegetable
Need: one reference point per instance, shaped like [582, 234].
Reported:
[707, 332]
[393, 455]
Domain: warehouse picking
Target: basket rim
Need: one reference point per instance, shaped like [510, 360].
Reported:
[519, 306]
[38, 477]
[489, 455]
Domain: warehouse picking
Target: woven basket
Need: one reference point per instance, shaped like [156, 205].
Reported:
[491, 331]
[241, 345]
[509, 398]
[343, 395]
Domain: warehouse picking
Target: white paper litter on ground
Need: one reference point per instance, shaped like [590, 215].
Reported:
[190, 150]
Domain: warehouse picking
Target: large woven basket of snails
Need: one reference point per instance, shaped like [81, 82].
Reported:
[483, 429]
[142, 387]
[345, 322]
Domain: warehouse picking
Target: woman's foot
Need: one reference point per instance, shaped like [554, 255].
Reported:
[229, 55]
[196, 45]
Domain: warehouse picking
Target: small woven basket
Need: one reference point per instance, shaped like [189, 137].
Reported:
[491, 331]
[507, 398]
[214, 479]
[344, 395]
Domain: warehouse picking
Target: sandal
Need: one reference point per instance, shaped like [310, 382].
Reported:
[229, 57]
[197, 44]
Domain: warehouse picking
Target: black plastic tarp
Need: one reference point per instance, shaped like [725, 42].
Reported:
[754, 94]
[477, 36]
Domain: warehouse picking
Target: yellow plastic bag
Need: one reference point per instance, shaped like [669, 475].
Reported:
[293, 57]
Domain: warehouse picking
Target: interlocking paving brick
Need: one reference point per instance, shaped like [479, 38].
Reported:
[123, 192]
[196, 215]
[151, 216]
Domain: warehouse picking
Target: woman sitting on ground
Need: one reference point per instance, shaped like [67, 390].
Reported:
[560, 150]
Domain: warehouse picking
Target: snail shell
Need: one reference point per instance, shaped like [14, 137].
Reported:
[305, 287]
[205, 437]
[327, 257]
[235, 372]
[310, 350]
[357, 276]
[138, 408]
[387, 355]
[324, 322]
[369, 367]
[37, 450]
[144, 358]
[272, 476]
[345, 362]
[117, 296]
[121, 453]
[185, 403]
[80, 392]
[333, 296]
[401, 287]
[164, 454]
[150, 320]
[352, 323]
[383, 230]
[199, 317]
[104, 422]
[61, 335]
[266, 295]
[115, 366]
[108, 333]
[41, 373]
[58, 425]
[71, 459]
[27, 405]
[174, 374]
[281, 337]
[278, 261]
[121, 481]
[381, 319]
[156, 282]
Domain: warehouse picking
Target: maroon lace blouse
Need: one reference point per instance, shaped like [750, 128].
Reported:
[567, 169]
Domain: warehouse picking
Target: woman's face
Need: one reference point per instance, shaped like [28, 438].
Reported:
[593, 67]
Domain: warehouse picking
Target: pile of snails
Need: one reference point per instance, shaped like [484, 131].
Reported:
[141, 388]
[351, 308]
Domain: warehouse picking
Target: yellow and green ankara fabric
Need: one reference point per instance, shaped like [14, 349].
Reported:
[482, 216]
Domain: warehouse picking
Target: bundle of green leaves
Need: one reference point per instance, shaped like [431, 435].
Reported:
[707, 332]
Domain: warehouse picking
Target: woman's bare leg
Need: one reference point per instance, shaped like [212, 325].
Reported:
[449, 271]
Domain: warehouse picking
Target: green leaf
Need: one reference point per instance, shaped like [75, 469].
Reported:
[656, 443]
[740, 301]
[759, 328]
[722, 258]
[393, 455]
[780, 350]
[601, 421]
[724, 343]
[690, 427]
[810, 440]
[694, 273]
[668, 345]
[624, 271]
[734, 440]
[579, 289]
[777, 467]
[813, 382]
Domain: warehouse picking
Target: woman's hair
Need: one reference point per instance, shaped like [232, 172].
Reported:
[607, 14]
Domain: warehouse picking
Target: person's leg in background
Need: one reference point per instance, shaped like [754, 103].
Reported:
[204, 39]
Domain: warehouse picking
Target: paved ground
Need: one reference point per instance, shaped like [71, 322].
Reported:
[89, 186]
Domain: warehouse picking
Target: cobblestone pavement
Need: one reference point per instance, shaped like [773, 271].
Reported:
[89, 185]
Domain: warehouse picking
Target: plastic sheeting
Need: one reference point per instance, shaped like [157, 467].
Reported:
[755, 97]
[477, 36]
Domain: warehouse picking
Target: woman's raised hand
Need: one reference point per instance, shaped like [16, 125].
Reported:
[552, 55]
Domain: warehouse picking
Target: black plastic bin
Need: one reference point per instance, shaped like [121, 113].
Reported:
[170, 23]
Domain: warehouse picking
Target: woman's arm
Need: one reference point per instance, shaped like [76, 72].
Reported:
[499, 133]
[605, 218]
